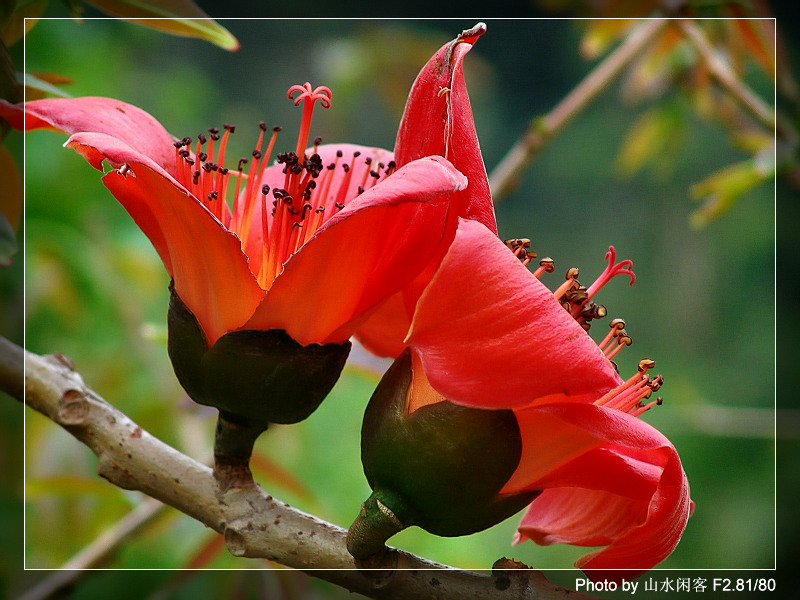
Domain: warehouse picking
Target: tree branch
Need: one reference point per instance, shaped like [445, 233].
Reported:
[96, 553]
[726, 77]
[505, 176]
[254, 524]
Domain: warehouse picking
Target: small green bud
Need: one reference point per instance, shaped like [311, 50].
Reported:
[440, 467]
[255, 375]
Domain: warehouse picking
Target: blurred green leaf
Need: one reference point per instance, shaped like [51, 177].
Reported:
[267, 468]
[12, 18]
[723, 188]
[178, 17]
[654, 139]
[39, 87]
[73, 485]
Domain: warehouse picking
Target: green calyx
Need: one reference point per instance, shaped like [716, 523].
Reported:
[252, 375]
[440, 468]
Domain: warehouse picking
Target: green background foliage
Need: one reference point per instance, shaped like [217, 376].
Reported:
[702, 307]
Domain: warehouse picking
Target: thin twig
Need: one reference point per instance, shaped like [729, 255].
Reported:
[96, 553]
[726, 77]
[506, 175]
[254, 524]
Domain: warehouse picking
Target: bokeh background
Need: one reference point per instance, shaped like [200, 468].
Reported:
[703, 305]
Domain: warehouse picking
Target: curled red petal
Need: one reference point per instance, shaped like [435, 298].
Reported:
[362, 255]
[629, 492]
[578, 516]
[92, 114]
[491, 335]
[204, 259]
[437, 120]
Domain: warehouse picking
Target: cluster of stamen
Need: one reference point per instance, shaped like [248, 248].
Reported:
[521, 249]
[311, 192]
[629, 396]
[576, 299]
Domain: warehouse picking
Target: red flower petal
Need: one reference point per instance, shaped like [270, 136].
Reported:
[126, 122]
[383, 332]
[205, 260]
[629, 492]
[492, 335]
[368, 250]
[577, 516]
[438, 120]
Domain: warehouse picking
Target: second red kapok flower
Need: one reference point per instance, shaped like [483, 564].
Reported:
[504, 396]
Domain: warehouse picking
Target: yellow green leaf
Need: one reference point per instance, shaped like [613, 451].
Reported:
[720, 190]
[178, 17]
[601, 34]
[653, 139]
[68, 485]
[21, 19]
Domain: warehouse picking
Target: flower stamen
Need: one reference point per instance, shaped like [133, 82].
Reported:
[628, 396]
[611, 271]
[546, 265]
[308, 97]
[570, 283]
[521, 249]
[310, 194]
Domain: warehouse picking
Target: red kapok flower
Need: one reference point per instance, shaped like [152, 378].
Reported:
[177, 192]
[296, 253]
[487, 334]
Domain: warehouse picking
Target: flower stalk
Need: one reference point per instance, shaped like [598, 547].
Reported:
[234, 439]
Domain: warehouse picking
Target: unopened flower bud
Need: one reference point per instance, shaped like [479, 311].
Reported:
[440, 467]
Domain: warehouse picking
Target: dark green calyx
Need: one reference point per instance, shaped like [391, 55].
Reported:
[442, 466]
[254, 375]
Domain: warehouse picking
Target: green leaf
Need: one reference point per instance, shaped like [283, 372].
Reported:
[720, 190]
[32, 82]
[178, 17]
[17, 18]
[653, 140]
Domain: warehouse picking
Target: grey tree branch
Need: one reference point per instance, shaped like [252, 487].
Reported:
[505, 176]
[726, 77]
[254, 523]
[96, 553]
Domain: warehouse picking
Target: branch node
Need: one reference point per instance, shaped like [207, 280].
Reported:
[73, 408]
[235, 542]
[504, 564]
[63, 360]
